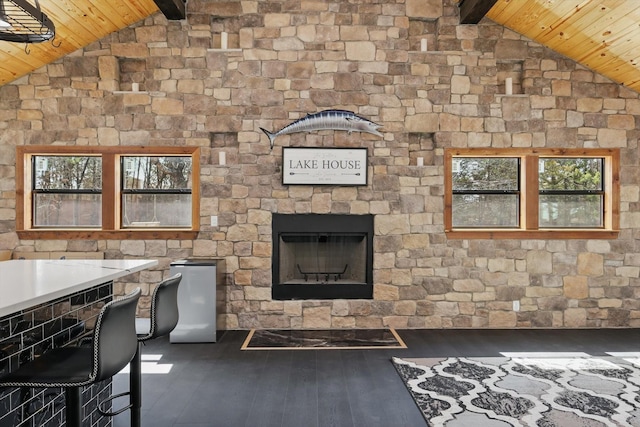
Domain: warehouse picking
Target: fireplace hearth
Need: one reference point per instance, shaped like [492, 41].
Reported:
[318, 256]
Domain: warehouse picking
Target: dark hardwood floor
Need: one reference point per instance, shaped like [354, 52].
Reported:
[219, 385]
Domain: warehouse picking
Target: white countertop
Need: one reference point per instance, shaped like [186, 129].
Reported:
[25, 283]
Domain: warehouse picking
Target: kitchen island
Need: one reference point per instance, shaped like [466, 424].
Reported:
[46, 304]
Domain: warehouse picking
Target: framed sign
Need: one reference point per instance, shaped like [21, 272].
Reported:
[324, 166]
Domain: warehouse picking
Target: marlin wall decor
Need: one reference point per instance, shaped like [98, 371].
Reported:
[327, 120]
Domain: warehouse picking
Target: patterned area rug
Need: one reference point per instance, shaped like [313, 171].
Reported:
[561, 390]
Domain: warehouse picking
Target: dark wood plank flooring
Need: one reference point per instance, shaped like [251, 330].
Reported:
[218, 385]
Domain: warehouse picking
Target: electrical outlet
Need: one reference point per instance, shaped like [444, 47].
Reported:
[516, 306]
[214, 221]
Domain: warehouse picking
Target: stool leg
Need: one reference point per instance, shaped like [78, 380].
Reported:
[135, 386]
[73, 409]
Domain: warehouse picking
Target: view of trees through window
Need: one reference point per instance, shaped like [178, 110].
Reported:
[156, 191]
[67, 191]
[571, 192]
[111, 192]
[487, 192]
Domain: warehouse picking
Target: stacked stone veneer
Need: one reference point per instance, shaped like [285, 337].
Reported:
[293, 57]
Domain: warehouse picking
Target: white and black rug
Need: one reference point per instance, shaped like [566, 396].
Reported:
[562, 390]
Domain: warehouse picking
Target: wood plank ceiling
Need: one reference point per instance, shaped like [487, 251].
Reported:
[603, 35]
[78, 23]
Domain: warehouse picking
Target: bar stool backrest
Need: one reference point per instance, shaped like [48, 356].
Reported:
[114, 337]
[164, 308]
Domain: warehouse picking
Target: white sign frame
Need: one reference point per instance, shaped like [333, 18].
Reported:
[324, 166]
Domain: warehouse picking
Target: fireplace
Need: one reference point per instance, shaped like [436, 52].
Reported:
[322, 256]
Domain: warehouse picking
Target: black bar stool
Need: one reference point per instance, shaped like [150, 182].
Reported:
[164, 318]
[114, 345]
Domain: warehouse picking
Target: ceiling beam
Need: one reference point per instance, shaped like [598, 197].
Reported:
[472, 11]
[172, 9]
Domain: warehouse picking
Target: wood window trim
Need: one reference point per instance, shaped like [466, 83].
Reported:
[529, 203]
[110, 191]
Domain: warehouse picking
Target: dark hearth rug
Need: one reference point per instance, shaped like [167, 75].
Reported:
[316, 339]
[541, 390]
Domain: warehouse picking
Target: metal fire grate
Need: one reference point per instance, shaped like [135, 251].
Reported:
[26, 23]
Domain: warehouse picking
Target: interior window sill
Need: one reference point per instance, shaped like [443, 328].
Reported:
[128, 234]
[546, 234]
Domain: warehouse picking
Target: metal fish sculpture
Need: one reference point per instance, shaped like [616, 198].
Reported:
[327, 120]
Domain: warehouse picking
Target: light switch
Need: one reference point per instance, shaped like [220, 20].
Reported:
[214, 220]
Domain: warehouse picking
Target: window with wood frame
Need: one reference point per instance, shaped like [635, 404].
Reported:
[532, 193]
[107, 192]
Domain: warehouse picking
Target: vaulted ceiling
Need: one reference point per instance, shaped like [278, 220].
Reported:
[603, 35]
[78, 23]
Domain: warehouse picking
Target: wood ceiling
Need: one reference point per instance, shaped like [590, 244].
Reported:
[78, 23]
[603, 35]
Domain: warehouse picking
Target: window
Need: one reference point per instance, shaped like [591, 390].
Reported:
[536, 193]
[486, 192]
[571, 192]
[107, 192]
[156, 191]
[67, 191]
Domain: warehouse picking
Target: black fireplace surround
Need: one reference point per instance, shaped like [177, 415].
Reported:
[322, 256]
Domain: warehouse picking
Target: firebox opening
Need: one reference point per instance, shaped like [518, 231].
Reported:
[322, 256]
[326, 258]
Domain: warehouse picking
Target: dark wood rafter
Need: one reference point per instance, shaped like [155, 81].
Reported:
[471, 11]
[172, 9]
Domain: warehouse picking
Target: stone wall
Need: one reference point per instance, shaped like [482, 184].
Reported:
[290, 58]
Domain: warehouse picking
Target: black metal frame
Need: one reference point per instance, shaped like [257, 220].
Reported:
[321, 223]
